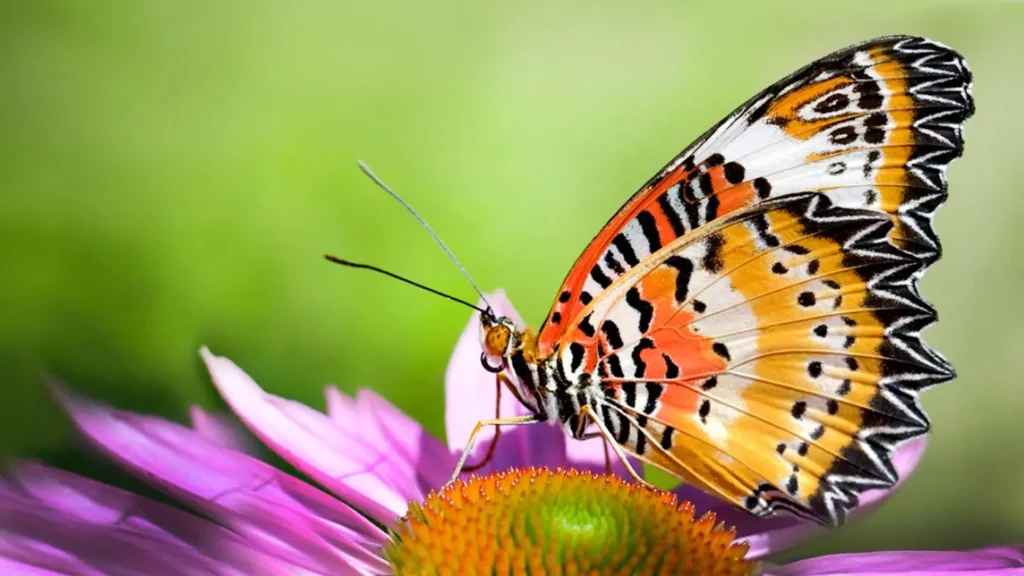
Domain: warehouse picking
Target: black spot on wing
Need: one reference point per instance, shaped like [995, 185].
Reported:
[684, 270]
[869, 96]
[666, 437]
[762, 187]
[671, 370]
[629, 393]
[674, 218]
[637, 355]
[599, 276]
[843, 135]
[792, 486]
[873, 157]
[650, 229]
[692, 210]
[622, 244]
[711, 210]
[643, 308]
[806, 299]
[615, 366]
[586, 327]
[641, 438]
[875, 128]
[722, 350]
[734, 172]
[814, 369]
[712, 260]
[611, 334]
[613, 264]
[654, 391]
[704, 182]
[577, 352]
[833, 103]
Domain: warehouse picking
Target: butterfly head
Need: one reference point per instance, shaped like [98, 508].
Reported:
[502, 340]
[499, 338]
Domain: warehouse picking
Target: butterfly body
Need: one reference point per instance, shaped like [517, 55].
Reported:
[750, 319]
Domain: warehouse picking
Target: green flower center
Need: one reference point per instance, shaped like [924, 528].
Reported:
[538, 521]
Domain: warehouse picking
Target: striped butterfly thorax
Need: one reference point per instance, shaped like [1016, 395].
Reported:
[749, 320]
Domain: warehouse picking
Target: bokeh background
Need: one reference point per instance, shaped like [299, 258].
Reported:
[171, 173]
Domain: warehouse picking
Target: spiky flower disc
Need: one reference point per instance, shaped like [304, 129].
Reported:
[538, 521]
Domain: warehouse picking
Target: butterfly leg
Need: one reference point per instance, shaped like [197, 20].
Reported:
[604, 444]
[500, 380]
[511, 421]
[586, 412]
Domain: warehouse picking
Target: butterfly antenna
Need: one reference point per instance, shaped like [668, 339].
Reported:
[366, 169]
[351, 264]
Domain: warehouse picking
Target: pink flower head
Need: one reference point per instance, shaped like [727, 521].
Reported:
[364, 461]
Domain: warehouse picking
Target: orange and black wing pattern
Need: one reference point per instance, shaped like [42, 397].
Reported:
[772, 357]
[873, 126]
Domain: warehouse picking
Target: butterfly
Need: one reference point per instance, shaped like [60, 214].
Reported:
[750, 320]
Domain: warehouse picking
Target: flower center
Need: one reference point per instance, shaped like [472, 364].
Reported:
[538, 521]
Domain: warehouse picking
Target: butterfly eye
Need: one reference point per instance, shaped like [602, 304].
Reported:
[497, 338]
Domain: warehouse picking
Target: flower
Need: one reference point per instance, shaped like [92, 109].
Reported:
[235, 514]
[1003, 560]
[539, 521]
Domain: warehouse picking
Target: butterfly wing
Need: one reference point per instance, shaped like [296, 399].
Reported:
[873, 126]
[772, 357]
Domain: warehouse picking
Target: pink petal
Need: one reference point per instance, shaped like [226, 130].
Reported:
[773, 534]
[433, 462]
[999, 560]
[285, 516]
[23, 568]
[57, 521]
[220, 429]
[470, 397]
[368, 477]
[344, 411]
[375, 422]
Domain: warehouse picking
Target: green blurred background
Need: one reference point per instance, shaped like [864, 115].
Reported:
[171, 173]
